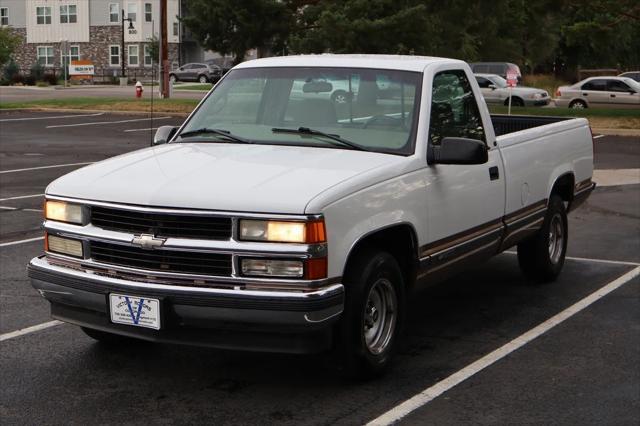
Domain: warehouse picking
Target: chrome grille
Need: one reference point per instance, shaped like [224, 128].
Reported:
[162, 224]
[213, 264]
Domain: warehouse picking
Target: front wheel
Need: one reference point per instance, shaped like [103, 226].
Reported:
[372, 319]
[541, 257]
[203, 79]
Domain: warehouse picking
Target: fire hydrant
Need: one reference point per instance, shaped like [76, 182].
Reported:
[139, 90]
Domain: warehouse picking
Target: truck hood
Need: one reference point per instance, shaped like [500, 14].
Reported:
[219, 176]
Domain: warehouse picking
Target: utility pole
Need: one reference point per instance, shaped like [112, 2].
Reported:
[164, 53]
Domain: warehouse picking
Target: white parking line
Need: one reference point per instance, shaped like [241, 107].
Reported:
[599, 136]
[21, 197]
[18, 208]
[14, 243]
[432, 392]
[141, 130]
[45, 167]
[587, 259]
[33, 328]
[51, 118]
[95, 123]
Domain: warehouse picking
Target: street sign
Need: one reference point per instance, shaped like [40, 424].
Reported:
[512, 79]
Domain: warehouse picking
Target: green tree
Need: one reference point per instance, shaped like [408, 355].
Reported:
[233, 27]
[154, 48]
[8, 43]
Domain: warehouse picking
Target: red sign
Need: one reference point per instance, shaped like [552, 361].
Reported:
[512, 79]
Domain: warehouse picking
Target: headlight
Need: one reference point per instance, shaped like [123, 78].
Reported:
[536, 96]
[63, 212]
[272, 268]
[62, 245]
[282, 231]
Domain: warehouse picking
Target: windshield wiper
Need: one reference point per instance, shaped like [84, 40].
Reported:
[308, 131]
[219, 132]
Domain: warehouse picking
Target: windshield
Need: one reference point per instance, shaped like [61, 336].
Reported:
[373, 110]
[498, 81]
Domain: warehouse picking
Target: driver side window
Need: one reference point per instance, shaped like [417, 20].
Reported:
[454, 110]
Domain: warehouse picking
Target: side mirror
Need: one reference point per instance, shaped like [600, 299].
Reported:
[459, 151]
[492, 86]
[163, 135]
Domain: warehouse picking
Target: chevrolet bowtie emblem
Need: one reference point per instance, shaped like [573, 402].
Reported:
[148, 241]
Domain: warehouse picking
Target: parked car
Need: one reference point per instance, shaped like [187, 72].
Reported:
[271, 223]
[496, 91]
[203, 73]
[499, 68]
[631, 74]
[600, 92]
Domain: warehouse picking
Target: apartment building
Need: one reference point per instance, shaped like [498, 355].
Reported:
[92, 30]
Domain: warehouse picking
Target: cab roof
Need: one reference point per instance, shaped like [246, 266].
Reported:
[391, 62]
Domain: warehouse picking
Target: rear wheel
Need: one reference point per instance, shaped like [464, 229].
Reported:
[173, 78]
[541, 257]
[372, 319]
[578, 105]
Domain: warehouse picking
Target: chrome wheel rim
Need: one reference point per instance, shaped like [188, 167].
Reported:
[380, 316]
[203, 80]
[341, 99]
[556, 238]
[577, 105]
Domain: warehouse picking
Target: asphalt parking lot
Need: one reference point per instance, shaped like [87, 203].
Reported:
[584, 370]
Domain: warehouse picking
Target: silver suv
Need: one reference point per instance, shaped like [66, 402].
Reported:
[200, 72]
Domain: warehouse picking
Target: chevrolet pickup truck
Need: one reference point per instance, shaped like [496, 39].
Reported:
[273, 222]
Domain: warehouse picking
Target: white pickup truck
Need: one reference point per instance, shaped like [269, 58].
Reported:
[276, 222]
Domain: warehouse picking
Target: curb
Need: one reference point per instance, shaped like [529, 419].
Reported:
[617, 132]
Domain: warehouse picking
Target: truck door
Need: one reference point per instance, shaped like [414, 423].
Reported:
[465, 203]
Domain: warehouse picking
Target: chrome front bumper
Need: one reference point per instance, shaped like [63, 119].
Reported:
[273, 320]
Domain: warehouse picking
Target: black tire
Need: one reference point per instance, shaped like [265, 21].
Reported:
[202, 79]
[578, 105]
[364, 352]
[541, 257]
[514, 102]
[110, 339]
[173, 77]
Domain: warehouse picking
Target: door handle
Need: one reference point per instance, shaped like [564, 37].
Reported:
[585, 94]
[612, 95]
[494, 173]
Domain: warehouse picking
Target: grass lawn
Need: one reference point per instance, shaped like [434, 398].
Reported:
[599, 118]
[201, 87]
[108, 104]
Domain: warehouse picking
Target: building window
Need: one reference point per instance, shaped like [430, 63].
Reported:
[176, 28]
[114, 13]
[148, 60]
[148, 12]
[133, 56]
[4, 16]
[68, 14]
[43, 15]
[114, 55]
[45, 55]
[132, 11]
[72, 55]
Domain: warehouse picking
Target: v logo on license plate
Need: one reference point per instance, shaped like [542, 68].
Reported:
[134, 317]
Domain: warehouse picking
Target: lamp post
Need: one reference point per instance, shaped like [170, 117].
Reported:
[124, 74]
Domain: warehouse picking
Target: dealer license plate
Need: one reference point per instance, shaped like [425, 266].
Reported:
[136, 311]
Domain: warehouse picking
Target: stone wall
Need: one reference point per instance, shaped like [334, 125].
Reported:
[96, 50]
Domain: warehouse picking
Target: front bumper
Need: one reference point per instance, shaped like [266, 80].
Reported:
[537, 102]
[273, 320]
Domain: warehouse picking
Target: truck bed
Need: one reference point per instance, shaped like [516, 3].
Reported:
[504, 124]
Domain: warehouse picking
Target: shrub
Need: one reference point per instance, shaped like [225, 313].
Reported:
[10, 70]
[37, 72]
[17, 79]
[50, 79]
[29, 80]
[42, 84]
